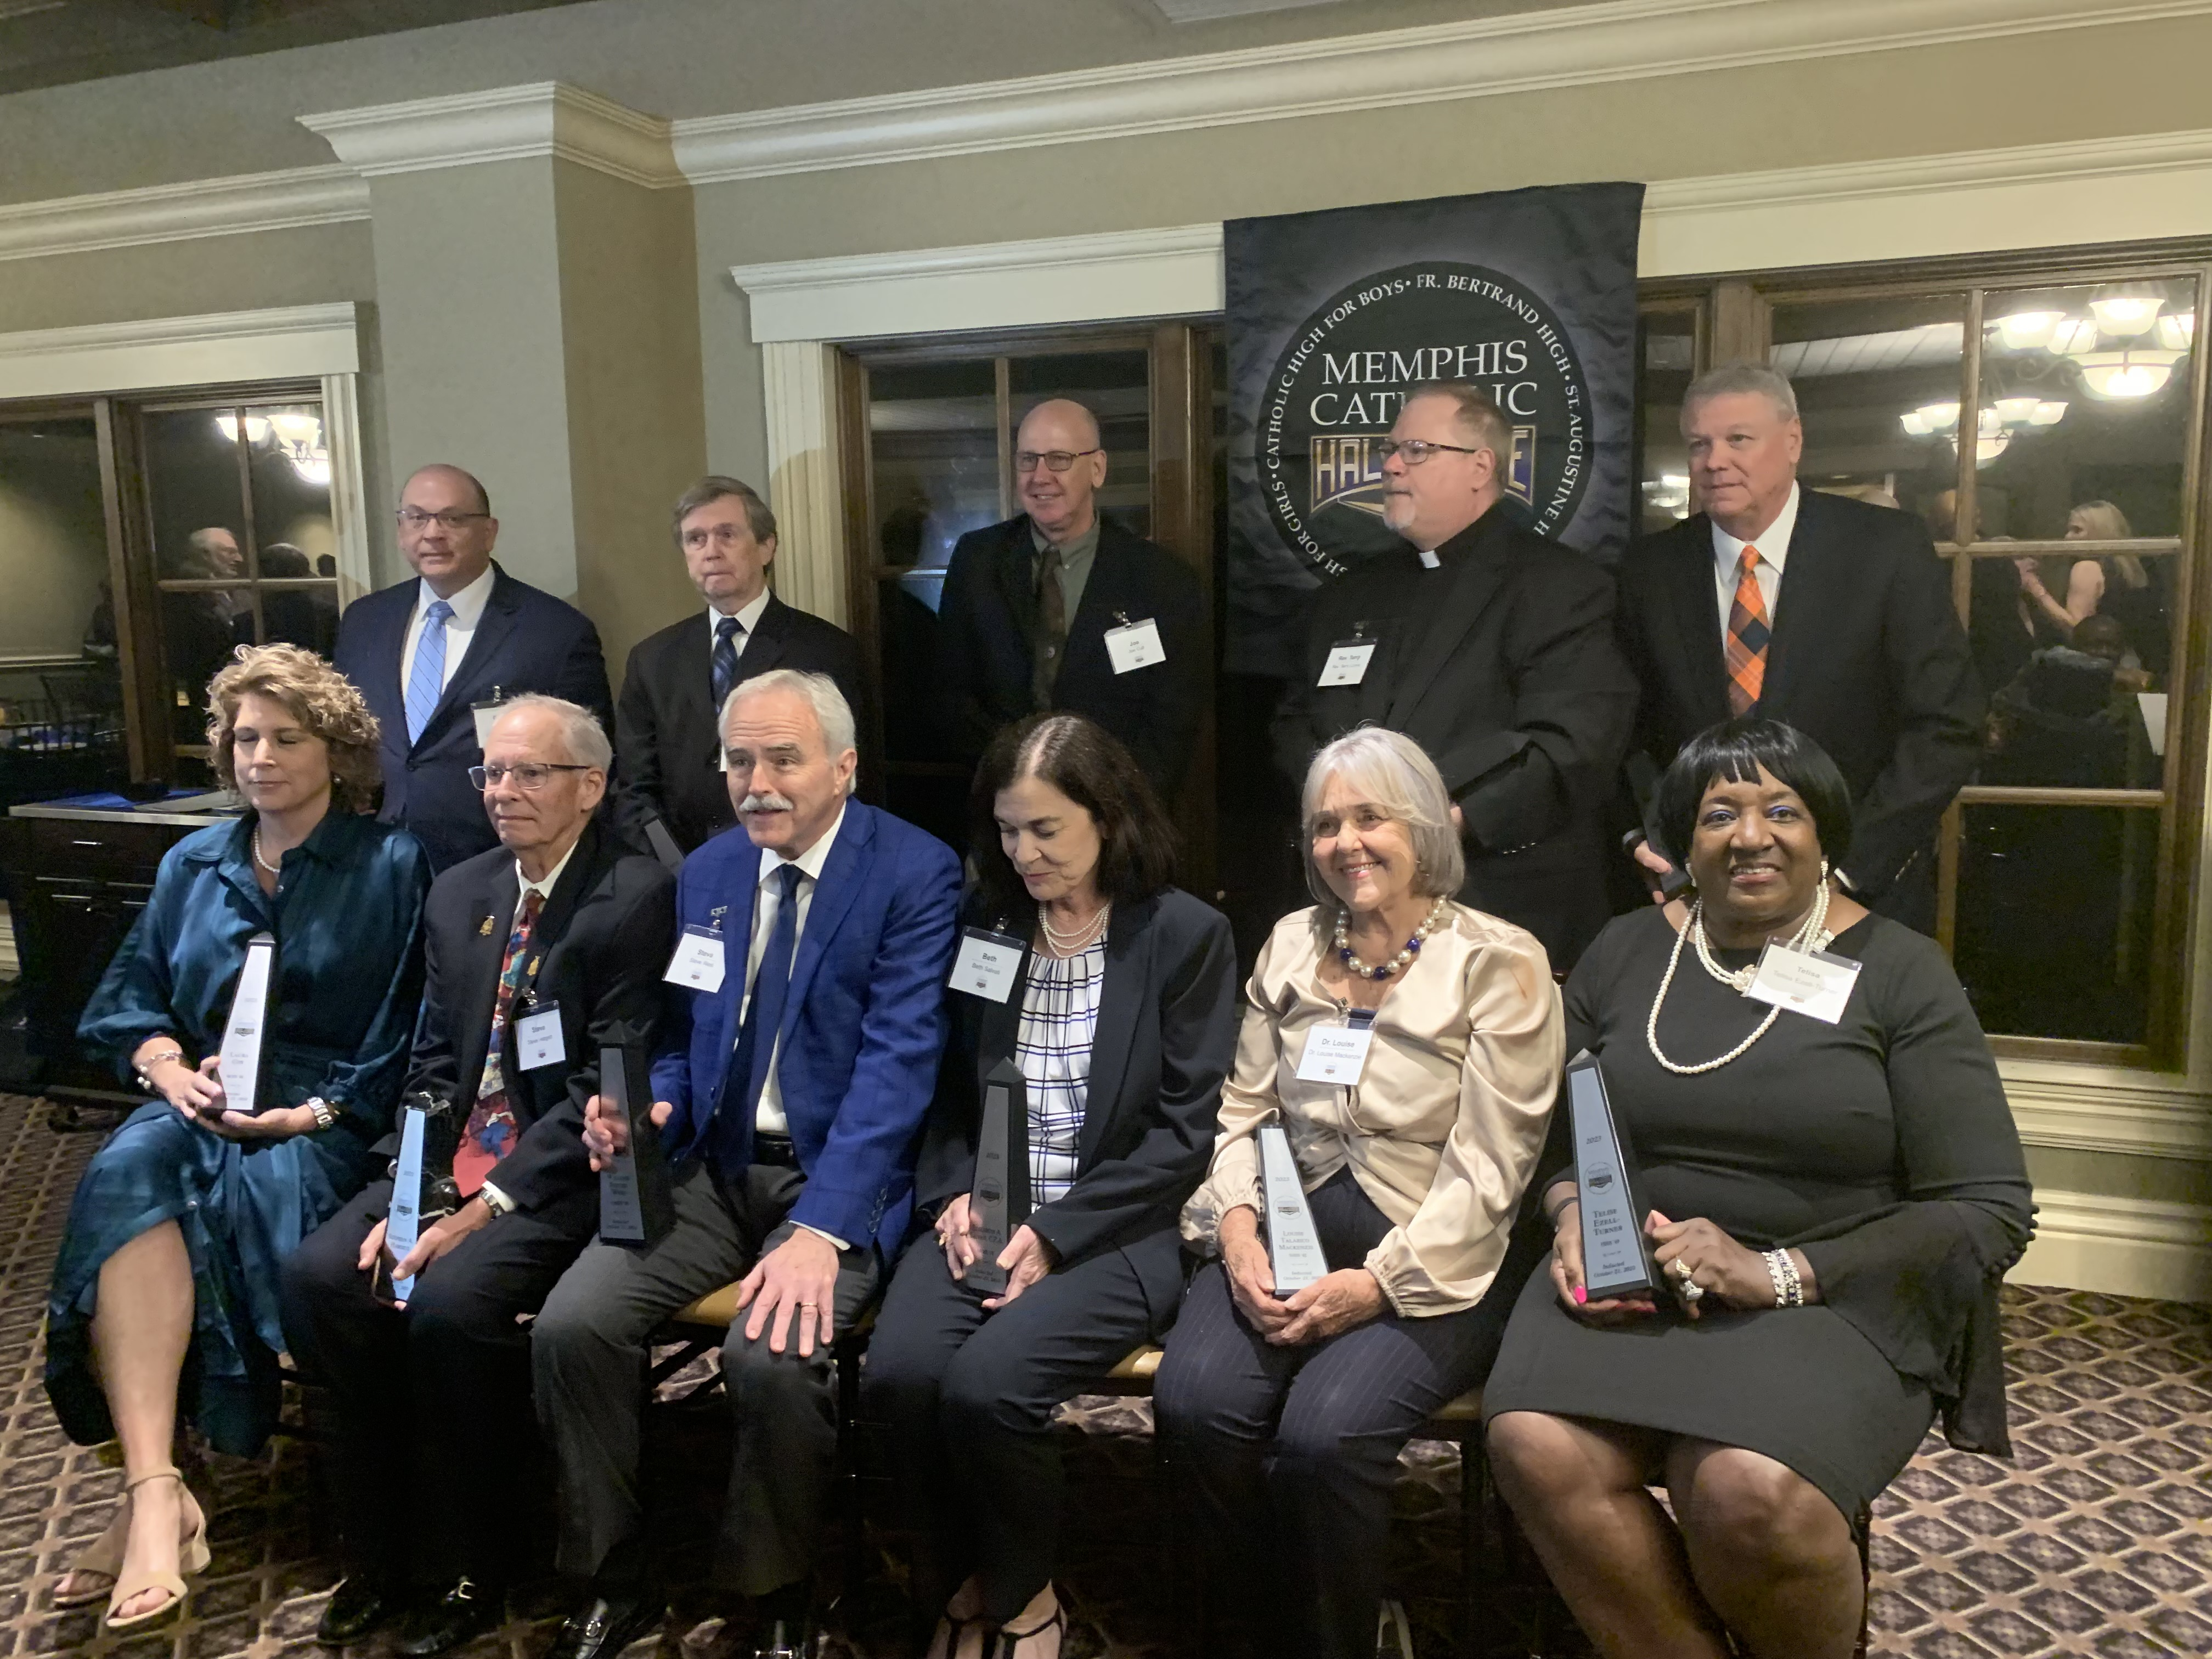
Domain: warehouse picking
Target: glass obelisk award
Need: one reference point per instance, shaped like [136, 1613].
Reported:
[1001, 1175]
[423, 1190]
[1294, 1253]
[635, 1204]
[239, 1063]
[1616, 1259]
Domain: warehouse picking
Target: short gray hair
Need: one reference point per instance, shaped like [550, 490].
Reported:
[1731, 379]
[831, 711]
[716, 487]
[581, 734]
[1395, 774]
[1479, 418]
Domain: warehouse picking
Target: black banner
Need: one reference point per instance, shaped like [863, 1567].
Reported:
[1334, 316]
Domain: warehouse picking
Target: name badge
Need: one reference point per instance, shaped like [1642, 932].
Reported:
[1812, 982]
[1335, 1054]
[537, 1040]
[1347, 663]
[697, 963]
[987, 965]
[487, 716]
[1135, 644]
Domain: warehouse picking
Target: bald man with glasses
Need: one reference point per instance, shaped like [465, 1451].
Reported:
[1061, 608]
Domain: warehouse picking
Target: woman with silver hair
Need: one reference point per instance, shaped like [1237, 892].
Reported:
[1283, 1414]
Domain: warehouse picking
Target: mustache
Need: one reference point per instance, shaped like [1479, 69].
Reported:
[766, 801]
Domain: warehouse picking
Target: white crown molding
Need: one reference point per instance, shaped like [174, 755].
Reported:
[294, 343]
[1621, 40]
[506, 124]
[2112, 1113]
[2119, 1247]
[232, 206]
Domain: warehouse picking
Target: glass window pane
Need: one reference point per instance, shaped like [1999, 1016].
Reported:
[934, 448]
[192, 485]
[2031, 656]
[306, 616]
[61, 689]
[1668, 347]
[1874, 378]
[2088, 875]
[290, 468]
[2085, 397]
[200, 628]
[1116, 387]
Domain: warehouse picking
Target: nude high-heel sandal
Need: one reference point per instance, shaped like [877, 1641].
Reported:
[102, 1559]
[192, 1557]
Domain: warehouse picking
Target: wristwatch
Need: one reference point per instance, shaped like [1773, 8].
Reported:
[494, 1200]
[326, 1116]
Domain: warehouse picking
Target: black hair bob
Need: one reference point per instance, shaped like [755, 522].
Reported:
[1736, 750]
[1090, 766]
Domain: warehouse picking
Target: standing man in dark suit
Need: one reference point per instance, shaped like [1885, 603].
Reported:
[793, 1071]
[1062, 608]
[426, 652]
[1865, 655]
[665, 725]
[538, 952]
[1492, 648]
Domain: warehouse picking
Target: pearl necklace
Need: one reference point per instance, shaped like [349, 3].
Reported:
[1076, 938]
[257, 858]
[1403, 959]
[1813, 934]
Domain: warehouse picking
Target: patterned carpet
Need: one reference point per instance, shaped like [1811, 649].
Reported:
[2097, 1540]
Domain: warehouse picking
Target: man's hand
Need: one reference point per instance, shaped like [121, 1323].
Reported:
[1335, 1301]
[1026, 1259]
[1654, 869]
[607, 1133]
[798, 1277]
[955, 1236]
[442, 1236]
[1251, 1276]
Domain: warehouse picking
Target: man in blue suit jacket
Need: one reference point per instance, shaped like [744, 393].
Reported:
[790, 1081]
[464, 632]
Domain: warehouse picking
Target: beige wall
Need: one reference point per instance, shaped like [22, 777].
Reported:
[53, 542]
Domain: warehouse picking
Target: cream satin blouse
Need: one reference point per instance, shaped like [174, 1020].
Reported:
[1443, 1129]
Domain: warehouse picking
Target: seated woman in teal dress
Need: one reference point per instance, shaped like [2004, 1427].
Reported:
[164, 1296]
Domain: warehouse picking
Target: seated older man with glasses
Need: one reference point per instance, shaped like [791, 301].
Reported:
[539, 952]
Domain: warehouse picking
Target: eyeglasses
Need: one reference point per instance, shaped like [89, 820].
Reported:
[1025, 460]
[527, 774]
[413, 518]
[1414, 450]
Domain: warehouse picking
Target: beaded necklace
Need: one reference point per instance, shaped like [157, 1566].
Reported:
[1812, 935]
[1403, 959]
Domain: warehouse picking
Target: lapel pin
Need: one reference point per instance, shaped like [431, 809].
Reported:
[532, 969]
[483, 928]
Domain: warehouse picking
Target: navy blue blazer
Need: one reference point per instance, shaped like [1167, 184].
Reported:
[525, 640]
[863, 1024]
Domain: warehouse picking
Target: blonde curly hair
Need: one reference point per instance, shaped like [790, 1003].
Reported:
[318, 697]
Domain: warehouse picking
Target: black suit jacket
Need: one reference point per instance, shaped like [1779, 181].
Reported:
[665, 731]
[1867, 660]
[1501, 663]
[1166, 1038]
[525, 640]
[601, 943]
[985, 621]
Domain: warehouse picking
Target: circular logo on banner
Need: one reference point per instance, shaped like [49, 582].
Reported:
[1341, 381]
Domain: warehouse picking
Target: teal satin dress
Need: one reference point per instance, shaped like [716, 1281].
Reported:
[344, 993]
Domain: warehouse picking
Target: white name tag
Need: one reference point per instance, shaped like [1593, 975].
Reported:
[698, 960]
[487, 716]
[1136, 646]
[987, 965]
[1810, 982]
[537, 1040]
[1335, 1054]
[1347, 664]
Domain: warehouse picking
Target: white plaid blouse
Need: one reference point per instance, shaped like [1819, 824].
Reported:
[1059, 1017]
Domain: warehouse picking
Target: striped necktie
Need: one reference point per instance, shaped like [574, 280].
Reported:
[725, 665]
[1748, 632]
[426, 681]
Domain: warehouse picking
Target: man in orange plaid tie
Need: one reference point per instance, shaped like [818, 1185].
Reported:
[1832, 615]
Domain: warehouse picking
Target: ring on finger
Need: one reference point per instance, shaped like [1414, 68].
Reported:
[1692, 1293]
[1680, 1268]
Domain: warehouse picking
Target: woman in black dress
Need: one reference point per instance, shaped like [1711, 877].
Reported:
[1832, 1207]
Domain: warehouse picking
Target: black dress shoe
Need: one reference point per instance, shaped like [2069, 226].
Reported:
[468, 1609]
[604, 1626]
[358, 1606]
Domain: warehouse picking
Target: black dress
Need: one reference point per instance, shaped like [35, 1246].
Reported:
[1881, 1146]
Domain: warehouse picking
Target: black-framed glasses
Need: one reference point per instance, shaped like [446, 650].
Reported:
[1025, 460]
[413, 518]
[1414, 450]
[527, 774]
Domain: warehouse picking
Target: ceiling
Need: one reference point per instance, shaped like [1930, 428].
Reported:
[49, 43]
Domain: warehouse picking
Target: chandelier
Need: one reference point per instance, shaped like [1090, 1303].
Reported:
[292, 432]
[2125, 346]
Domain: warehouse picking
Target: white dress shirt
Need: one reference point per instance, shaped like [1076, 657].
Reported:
[460, 627]
[748, 617]
[1773, 545]
[494, 1200]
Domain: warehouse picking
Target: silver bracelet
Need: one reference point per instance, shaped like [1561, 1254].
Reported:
[1789, 1288]
[326, 1116]
[141, 1071]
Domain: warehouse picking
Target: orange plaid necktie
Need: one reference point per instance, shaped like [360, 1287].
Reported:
[1748, 632]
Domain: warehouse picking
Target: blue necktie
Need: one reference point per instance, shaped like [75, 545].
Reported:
[756, 1035]
[726, 660]
[426, 681]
